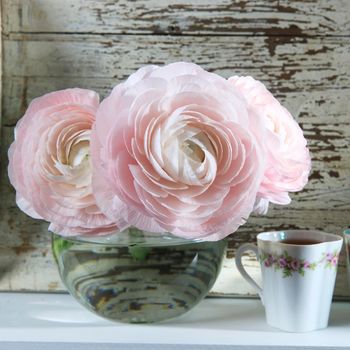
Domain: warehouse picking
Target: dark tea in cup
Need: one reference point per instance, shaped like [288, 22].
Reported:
[300, 241]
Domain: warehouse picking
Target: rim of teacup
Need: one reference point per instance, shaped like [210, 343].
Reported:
[320, 236]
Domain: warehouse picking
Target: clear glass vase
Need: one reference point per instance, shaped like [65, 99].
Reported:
[138, 277]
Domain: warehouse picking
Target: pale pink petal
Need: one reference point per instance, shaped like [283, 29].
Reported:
[76, 96]
[261, 206]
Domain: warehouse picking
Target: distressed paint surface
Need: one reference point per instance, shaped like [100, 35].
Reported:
[197, 17]
[299, 49]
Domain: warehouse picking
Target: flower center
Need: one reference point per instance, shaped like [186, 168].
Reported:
[193, 151]
[189, 157]
[73, 158]
[79, 153]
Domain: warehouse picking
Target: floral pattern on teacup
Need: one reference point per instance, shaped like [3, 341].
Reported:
[290, 265]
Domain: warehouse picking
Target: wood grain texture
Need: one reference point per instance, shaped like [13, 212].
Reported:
[197, 17]
[299, 49]
[302, 65]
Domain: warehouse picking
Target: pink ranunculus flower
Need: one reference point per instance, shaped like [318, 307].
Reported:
[288, 160]
[174, 151]
[50, 165]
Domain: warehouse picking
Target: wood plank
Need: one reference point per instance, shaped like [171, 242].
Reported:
[312, 106]
[220, 17]
[285, 64]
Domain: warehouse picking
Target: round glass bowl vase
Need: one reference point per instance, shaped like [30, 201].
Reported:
[138, 277]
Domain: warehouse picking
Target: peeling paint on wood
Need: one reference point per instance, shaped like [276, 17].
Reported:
[117, 56]
[225, 17]
[299, 49]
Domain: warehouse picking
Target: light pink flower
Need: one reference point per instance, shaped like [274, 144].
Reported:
[334, 260]
[174, 151]
[50, 166]
[288, 160]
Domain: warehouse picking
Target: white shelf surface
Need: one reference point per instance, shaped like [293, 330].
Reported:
[31, 321]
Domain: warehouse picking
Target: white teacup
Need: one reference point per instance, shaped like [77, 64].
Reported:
[298, 274]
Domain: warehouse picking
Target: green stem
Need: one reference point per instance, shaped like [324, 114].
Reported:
[137, 250]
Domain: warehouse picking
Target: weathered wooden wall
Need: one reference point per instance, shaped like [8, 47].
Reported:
[300, 49]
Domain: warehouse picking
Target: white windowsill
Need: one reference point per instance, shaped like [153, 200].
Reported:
[30, 321]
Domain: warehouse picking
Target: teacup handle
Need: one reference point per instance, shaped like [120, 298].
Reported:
[239, 253]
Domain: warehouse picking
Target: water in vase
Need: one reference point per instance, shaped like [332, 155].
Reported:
[138, 282]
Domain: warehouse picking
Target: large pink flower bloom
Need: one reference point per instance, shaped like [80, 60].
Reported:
[288, 160]
[50, 166]
[173, 150]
